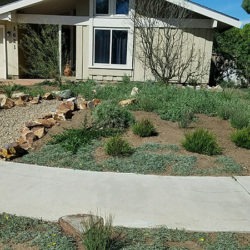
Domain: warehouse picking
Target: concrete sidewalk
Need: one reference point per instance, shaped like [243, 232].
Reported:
[192, 203]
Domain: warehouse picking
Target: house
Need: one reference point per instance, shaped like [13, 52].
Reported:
[101, 38]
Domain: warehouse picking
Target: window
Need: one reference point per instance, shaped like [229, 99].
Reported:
[122, 6]
[111, 46]
[110, 7]
[102, 7]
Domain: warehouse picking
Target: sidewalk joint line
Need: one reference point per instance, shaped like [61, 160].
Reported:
[241, 184]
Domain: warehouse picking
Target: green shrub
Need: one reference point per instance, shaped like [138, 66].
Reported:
[201, 141]
[72, 139]
[224, 110]
[186, 119]
[116, 146]
[242, 138]
[144, 128]
[97, 234]
[240, 119]
[108, 115]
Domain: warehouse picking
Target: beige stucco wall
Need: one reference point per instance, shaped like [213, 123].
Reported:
[200, 39]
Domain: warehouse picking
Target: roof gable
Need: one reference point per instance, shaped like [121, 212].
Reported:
[11, 5]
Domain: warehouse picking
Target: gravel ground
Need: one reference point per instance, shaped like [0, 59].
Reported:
[13, 120]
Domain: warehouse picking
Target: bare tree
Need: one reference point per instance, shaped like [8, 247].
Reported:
[163, 42]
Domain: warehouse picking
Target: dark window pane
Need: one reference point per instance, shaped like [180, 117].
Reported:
[102, 6]
[122, 6]
[119, 46]
[102, 46]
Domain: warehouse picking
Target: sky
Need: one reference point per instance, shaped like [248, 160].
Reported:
[229, 7]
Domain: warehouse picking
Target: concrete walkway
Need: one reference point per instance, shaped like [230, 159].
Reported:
[193, 203]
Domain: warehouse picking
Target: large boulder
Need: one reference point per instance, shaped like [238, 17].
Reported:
[73, 225]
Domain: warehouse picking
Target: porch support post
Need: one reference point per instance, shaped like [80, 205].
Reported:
[60, 48]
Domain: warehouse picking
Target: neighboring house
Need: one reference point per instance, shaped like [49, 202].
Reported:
[100, 35]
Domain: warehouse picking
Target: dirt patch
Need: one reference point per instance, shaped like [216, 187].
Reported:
[168, 133]
[18, 247]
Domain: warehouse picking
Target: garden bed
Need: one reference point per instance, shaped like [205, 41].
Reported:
[167, 108]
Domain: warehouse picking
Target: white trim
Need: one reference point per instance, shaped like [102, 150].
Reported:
[60, 49]
[18, 5]
[52, 19]
[207, 12]
[4, 72]
[128, 65]
[110, 22]
[6, 16]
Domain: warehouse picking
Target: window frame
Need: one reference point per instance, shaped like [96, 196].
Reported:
[110, 65]
[112, 10]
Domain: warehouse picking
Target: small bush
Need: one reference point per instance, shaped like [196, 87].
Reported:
[97, 234]
[201, 141]
[239, 119]
[116, 146]
[108, 115]
[242, 138]
[144, 128]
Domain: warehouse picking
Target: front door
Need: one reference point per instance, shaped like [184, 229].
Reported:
[2, 53]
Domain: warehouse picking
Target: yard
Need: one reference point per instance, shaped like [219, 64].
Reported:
[173, 111]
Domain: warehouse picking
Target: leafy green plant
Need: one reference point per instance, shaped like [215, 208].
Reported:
[97, 234]
[201, 141]
[126, 79]
[108, 115]
[242, 138]
[116, 146]
[144, 128]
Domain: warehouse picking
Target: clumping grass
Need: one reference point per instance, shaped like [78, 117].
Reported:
[242, 138]
[240, 118]
[108, 115]
[117, 146]
[144, 128]
[11, 88]
[201, 141]
[33, 232]
[97, 233]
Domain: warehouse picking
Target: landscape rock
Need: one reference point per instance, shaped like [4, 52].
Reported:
[126, 102]
[20, 95]
[81, 103]
[64, 94]
[96, 102]
[38, 131]
[73, 224]
[47, 123]
[7, 103]
[48, 96]
[134, 91]
[35, 100]
[12, 150]
[20, 102]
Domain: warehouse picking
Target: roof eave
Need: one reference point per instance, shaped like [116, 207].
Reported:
[208, 12]
[17, 5]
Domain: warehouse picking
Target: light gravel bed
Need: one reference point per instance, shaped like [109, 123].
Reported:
[13, 120]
